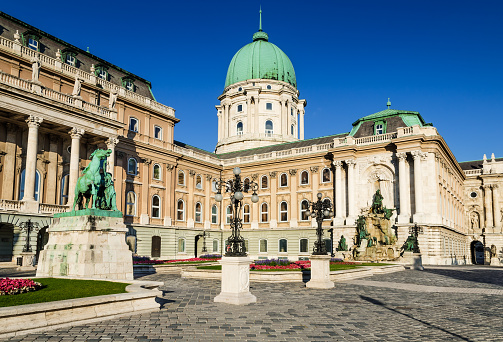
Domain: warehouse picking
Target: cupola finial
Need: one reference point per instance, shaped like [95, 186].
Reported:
[260, 35]
[260, 20]
[388, 103]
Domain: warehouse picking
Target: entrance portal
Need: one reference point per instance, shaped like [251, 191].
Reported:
[477, 251]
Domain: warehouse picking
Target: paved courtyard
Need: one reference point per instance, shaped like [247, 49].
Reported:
[463, 303]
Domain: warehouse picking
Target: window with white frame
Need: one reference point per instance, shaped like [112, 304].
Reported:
[246, 213]
[228, 214]
[214, 214]
[199, 182]
[264, 182]
[268, 106]
[328, 203]
[33, 43]
[283, 180]
[131, 203]
[240, 108]
[239, 128]
[132, 166]
[303, 245]
[133, 124]
[379, 129]
[156, 206]
[37, 185]
[283, 211]
[181, 245]
[70, 59]
[181, 177]
[326, 175]
[263, 246]
[64, 190]
[264, 212]
[180, 210]
[101, 72]
[283, 246]
[215, 246]
[157, 172]
[269, 128]
[199, 213]
[304, 210]
[129, 85]
[304, 178]
[157, 132]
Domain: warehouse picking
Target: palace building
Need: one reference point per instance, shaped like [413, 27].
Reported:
[59, 103]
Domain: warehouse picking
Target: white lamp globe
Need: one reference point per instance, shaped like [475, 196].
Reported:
[313, 214]
[254, 198]
[320, 195]
[326, 213]
[236, 170]
[238, 195]
[219, 197]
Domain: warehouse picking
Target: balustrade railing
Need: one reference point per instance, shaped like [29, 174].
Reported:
[52, 208]
[473, 172]
[11, 205]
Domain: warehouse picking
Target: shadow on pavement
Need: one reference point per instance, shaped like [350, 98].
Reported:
[480, 274]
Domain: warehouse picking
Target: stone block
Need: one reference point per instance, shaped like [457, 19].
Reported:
[320, 272]
[235, 281]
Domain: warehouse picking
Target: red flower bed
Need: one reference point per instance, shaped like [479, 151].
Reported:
[157, 262]
[15, 286]
[296, 265]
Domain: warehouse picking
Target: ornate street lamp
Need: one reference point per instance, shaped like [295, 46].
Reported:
[236, 243]
[320, 210]
[204, 250]
[414, 231]
[29, 227]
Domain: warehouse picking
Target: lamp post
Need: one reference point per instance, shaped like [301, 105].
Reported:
[236, 243]
[415, 231]
[320, 210]
[29, 227]
[204, 250]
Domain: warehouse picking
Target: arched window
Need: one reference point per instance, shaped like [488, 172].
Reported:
[303, 243]
[181, 177]
[264, 182]
[199, 182]
[214, 214]
[263, 246]
[228, 214]
[304, 178]
[180, 210]
[239, 128]
[37, 185]
[269, 130]
[246, 213]
[215, 246]
[304, 210]
[283, 211]
[283, 180]
[328, 202]
[157, 172]
[283, 246]
[156, 206]
[199, 212]
[132, 166]
[264, 213]
[133, 124]
[326, 175]
[64, 190]
[181, 245]
[131, 203]
[157, 132]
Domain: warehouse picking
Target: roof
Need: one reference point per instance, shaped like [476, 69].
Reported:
[475, 164]
[409, 118]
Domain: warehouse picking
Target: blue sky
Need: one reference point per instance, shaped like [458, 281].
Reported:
[440, 58]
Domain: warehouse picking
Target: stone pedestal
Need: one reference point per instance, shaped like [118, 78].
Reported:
[235, 281]
[89, 243]
[414, 260]
[27, 263]
[495, 262]
[320, 272]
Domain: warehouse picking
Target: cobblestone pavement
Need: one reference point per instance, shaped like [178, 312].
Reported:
[384, 311]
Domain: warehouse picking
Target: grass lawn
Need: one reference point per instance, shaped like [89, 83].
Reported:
[59, 289]
[211, 267]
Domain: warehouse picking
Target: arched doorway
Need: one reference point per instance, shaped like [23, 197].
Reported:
[477, 252]
[156, 247]
[6, 242]
[42, 239]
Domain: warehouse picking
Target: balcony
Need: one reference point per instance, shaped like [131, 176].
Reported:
[20, 207]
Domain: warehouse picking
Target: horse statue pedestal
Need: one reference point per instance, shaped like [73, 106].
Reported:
[88, 243]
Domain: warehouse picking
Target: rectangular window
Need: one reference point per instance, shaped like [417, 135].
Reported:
[33, 44]
[303, 245]
[129, 85]
[283, 246]
[157, 132]
[240, 108]
[268, 106]
[263, 246]
[215, 246]
[181, 245]
[70, 60]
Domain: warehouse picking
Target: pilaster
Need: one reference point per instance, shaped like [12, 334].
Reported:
[31, 158]
[351, 164]
[76, 134]
[339, 210]
[146, 201]
[488, 205]
[418, 178]
[404, 190]
[111, 143]
[9, 162]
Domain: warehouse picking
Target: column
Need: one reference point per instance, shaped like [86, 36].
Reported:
[403, 194]
[350, 220]
[248, 127]
[283, 118]
[496, 208]
[488, 205]
[226, 121]
[53, 195]
[145, 199]
[338, 219]
[220, 122]
[190, 199]
[76, 134]
[274, 206]
[301, 124]
[288, 118]
[294, 201]
[111, 143]
[207, 204]
[9, 162]
[418, 194]
[168, 198]
[31, 158]
[256, 111]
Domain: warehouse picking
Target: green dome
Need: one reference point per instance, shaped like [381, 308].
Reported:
[260, 60]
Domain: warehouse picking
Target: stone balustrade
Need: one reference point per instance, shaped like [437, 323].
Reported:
[52, 208]
[11, 205]
[58, 65]
[43, 208]
[477, 172]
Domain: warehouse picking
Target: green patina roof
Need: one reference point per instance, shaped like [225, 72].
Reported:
[408, 117]
[260, 60]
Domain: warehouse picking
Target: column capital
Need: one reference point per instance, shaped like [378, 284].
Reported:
[350, 162]
[487, 186]
[494, 186]
[170, 167]
[146, 161]
[76, 133]
[272, 174]
[209, 177]
[34, 121]
[192, 173]
[293, 172]
[416, 154]
[401, 156]
[337, 163]
[314, 169]
[112, 142]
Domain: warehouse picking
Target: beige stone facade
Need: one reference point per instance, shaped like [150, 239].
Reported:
[53, 115]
